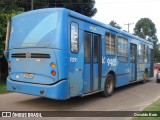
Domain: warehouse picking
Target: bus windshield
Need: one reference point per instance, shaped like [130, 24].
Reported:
[33, 30]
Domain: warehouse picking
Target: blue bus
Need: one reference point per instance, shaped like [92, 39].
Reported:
[59, 54]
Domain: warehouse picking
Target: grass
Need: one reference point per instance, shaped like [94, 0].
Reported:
[153, 107]
[2, 86]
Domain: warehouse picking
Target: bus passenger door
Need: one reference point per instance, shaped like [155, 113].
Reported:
[133, 62]
[92, 62]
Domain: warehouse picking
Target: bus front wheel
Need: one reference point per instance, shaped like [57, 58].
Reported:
[109, 86]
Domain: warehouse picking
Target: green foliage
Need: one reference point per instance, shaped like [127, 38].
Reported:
[145, 118]
[2, 31]
[2, 86]
[114, 24]
[8, 9]
[85, 7]
[146, 29]
[153, 107]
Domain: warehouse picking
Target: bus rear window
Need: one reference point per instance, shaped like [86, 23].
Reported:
[34, 30]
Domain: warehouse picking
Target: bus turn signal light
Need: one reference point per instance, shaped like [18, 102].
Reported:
[52, 65]
[9, 63]
[53, 73]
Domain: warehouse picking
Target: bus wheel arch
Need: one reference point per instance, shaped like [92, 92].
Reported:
[109, 84]
[145, 76]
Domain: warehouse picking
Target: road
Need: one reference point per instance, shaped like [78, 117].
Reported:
[134, 97]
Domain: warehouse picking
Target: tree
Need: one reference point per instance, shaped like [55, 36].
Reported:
[114, 24]
[85, 7]
[146, 29]
[8, 9]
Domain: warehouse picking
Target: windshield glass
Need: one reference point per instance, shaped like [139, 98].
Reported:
[33, 30]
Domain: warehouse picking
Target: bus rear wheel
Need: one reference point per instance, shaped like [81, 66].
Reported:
[145, 77]
[109, 86]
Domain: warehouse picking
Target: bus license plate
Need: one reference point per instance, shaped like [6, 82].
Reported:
[28, 75]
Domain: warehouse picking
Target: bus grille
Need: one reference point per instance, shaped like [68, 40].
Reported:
[19, 55]
[30, 55]
[39, 55]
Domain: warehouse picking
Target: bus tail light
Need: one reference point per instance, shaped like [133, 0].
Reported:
[53, 65]
[53, 73]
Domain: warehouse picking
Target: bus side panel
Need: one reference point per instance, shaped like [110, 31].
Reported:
[56, 91]
[104, 61]
[122, 74]
[122, 80]
[140, 71]
[76, 63]
[87, 77]
[62, 63]
[123, 65]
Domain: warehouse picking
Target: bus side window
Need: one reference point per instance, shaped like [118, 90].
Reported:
[122, 49]
[110, 44]
[146, 59]
[141, 51]
[74, 37]
[87, 47]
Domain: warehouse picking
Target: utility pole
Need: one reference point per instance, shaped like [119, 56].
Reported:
[31, 4]
[128, 24]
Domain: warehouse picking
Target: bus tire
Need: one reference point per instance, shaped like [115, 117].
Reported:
[108, 86]
[145, 77]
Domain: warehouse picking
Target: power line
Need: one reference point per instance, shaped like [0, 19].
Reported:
[125, 2]
[128, 24]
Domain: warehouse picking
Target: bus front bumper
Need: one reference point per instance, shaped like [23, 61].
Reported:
[58, 91]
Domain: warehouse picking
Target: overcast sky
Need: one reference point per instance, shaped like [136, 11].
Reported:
[128, 11]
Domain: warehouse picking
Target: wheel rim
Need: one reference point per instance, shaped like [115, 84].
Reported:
[145, 76]
[109, 85]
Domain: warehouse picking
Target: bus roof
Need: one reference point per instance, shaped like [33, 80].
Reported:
[87, 19]
[84, 18]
